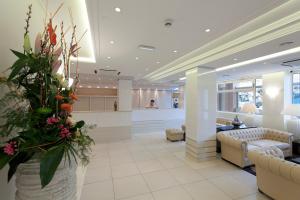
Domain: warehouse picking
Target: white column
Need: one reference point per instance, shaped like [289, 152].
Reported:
[125, 95]
[201, 105]
[277, 93]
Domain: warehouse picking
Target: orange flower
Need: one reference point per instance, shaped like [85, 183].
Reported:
[73, 96]
[59, 97]
[66, 107]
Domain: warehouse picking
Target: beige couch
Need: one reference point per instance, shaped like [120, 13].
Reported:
[276, 178]
[236, 144]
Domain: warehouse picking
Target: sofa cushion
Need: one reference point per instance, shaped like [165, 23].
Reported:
[269, 143]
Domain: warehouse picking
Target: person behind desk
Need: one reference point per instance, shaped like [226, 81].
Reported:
[152, 104]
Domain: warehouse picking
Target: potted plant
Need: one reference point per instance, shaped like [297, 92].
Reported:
[43, 143]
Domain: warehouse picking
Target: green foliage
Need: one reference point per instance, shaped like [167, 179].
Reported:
[49, 163]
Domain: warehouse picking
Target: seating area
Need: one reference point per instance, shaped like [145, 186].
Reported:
[236, 144]
[150, 100]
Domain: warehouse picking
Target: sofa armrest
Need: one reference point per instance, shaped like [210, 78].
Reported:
[231, 141]
[279, 136]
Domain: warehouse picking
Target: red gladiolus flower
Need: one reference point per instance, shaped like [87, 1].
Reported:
[66, 107]
[52, 35]
[10, 148]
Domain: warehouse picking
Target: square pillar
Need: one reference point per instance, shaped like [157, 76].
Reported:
[201, 106]
[125, 95]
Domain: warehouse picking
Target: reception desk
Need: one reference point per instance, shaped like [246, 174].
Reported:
[156, 120]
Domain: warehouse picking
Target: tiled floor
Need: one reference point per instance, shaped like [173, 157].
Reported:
[147, 167]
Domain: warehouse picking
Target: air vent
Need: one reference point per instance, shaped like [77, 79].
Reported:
[285, 43]
[146, 47]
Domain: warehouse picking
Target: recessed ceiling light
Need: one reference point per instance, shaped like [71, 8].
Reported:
[111, 42]
[108, 57]
[98, 86]
[136, 58]
[157, 62]
[117, 9]
[89, 86]
[182, 78]
[146, 47]
[265, 63]
[107, 66]
[235, 59]
[106, 86]
[207, 30]
[175, 51]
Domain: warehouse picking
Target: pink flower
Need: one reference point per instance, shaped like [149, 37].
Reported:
[64, 132]
[10, 148]
[52, 120]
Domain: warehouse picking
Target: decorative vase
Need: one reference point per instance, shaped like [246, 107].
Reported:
[62, 187]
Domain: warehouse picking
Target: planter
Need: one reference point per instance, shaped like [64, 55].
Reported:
[62, 187]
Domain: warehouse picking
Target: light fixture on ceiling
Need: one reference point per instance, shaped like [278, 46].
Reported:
[136, 58]
[107, 66]
[106, 86]
[235, 59]
[117, 9]
[207, 30]
[175, 51]
[98, 86]
[265, 63]
[157, 62]
[89, 86]
[146, 47]
[108, 57]
[111, 42]
[182, 78]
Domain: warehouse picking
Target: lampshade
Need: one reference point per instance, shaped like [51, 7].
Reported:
[249, 108]
[292, 110]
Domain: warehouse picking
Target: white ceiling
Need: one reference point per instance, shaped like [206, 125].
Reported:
[142, 22]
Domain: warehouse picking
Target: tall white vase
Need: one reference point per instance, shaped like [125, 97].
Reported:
[62, 186]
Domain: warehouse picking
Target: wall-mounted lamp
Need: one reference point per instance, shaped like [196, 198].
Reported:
[272, 92]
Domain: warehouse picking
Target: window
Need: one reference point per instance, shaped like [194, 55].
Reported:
[233, 96]
[296, 88]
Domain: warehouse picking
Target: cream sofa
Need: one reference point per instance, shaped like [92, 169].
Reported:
[276, 177]
[236, 144]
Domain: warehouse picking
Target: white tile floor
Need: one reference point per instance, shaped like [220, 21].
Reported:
[147, 167]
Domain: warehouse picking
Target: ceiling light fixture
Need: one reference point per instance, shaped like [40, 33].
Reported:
[175, 51]
[136, 58]
[182, 78]
[107, 66]
[157, 62]
[235, 59]
[111, 42]
[207, 30]
[108, 57]
[117, 9]
[106, 86]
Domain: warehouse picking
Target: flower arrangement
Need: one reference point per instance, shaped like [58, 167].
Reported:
[36, 111]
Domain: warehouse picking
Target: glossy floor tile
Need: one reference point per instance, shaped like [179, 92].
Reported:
[147, 167]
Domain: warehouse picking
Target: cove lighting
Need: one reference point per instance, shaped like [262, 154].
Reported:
[260, 59]
[182, 78]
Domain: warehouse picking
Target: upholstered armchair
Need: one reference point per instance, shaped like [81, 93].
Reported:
[276, 177]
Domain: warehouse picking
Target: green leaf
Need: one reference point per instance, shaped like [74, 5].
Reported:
[4, 159]
[79, 124]
[19, 54]
[21, 157]
[16, 68]
[49, 164]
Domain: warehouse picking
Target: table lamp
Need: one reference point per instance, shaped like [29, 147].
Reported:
[249, 108]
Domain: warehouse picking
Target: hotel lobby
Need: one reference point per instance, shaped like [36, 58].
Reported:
[150, 100]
